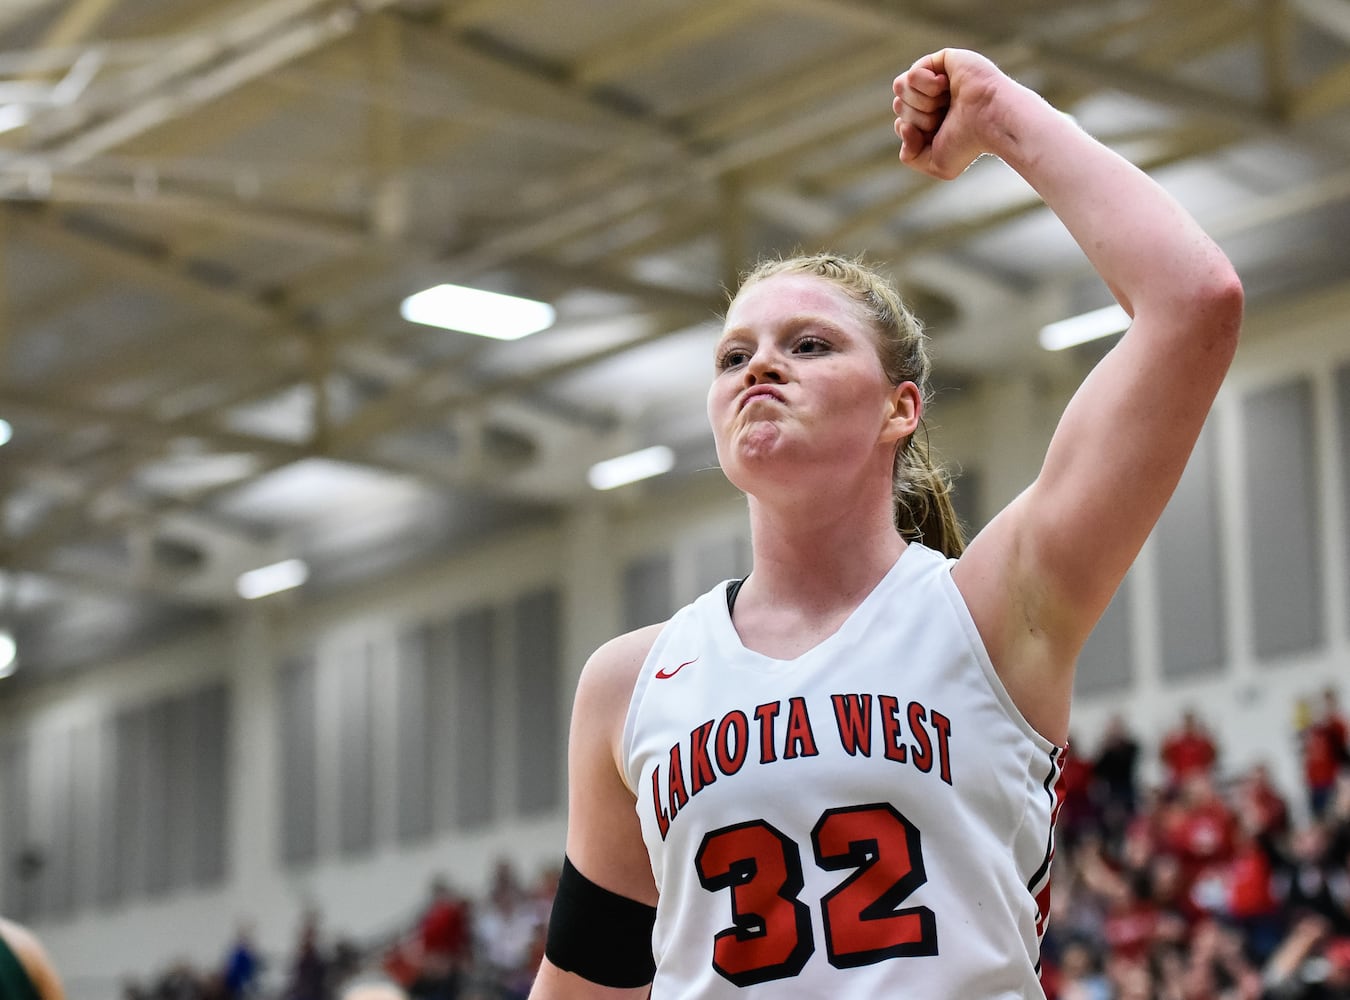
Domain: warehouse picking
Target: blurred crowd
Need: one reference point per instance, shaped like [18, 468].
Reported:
[1207, 883]
[454, 948]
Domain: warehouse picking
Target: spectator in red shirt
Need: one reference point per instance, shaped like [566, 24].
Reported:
[1253, 903]
[444, 936]
[1325, 747]
[1261, 807]
[1203, 829]
[1188, 750]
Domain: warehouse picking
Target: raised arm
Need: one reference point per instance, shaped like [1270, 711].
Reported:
[1040, 575]
[604, 837]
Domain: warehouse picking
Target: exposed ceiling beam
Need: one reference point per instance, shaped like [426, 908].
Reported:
[240, 215]
[389, 205]
[162, 272]
[137, 427]
[648, 43]
[1330, 15]
[1277, 46]
[76, 23]
[198, 71]
[6, 310]
[1306, 198]
[471, 13]
[17, 11]
[985, 32]
[1325, 94]
[851, 67]
[513, 85]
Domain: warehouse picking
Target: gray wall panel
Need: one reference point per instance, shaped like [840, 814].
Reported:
[538, 728]
[356, 766]
[109, 883]
[968, 499]
[58, 843]
[1343, 449]
[716, 560]
[415, 765]
[87, 777]
[475, 723]
[156, 803]
[14, 790]
[1107, 660]
[182, 790]
[442, 712]
[1190, 565]
[1283, 528]
[130, 828]
[648, 595]
[299, 762]
[211, 814]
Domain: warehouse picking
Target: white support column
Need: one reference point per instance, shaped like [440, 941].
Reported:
[591, 589]
[255, 776]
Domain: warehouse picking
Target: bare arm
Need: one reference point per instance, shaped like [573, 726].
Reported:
[604, 837]
[30, 953]
[1040, 575]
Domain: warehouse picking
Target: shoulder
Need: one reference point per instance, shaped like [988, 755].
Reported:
[30, 953]
[606, 688]
[611, 673]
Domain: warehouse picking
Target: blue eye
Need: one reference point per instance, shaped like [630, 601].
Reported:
[732, 359]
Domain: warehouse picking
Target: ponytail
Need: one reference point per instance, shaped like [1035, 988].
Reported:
[922, 490]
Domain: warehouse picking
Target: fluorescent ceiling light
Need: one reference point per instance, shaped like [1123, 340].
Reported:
[625, 469]
[14, 116]
[9, 653]
[6, 432]
[471, 310]
[1080, 329]
[273, 579]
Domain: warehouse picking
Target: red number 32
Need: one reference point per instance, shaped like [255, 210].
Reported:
[770, 936]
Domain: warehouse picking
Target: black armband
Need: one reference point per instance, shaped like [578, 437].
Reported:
[599, 935]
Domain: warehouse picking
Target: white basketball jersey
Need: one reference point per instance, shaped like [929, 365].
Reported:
[872, 819]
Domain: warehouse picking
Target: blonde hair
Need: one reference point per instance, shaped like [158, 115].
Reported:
[921, 488]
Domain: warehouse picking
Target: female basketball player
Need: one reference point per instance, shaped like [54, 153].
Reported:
[838, 780]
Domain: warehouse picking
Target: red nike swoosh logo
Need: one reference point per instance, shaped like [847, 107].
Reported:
[665, 674]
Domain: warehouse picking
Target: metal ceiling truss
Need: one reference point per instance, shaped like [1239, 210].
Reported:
[130, 160]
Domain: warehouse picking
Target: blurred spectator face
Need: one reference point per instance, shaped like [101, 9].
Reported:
[1131, 980]
[1310, 842]
[1137, 849]
[1198, 789]
[1075, 961]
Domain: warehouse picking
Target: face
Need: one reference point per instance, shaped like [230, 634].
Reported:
[798, 377]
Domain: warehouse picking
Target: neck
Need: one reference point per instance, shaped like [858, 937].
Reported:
[820, 554]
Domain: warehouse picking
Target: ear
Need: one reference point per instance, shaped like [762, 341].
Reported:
[904, 407]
